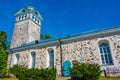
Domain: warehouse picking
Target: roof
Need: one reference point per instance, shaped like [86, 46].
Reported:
[29, 9]
[70, 37]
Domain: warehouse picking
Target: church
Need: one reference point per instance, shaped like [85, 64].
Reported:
[101, 46]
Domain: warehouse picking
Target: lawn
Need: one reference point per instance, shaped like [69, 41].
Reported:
[101, 78]
[104, 78]
[9, 79]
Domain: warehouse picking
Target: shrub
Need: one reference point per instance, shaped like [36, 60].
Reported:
[23, 73]
[85, 71]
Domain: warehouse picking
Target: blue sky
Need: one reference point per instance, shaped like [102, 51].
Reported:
[63, 17]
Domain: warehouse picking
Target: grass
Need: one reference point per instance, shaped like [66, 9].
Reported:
[9, 79]
[104, 78]
[101, 78]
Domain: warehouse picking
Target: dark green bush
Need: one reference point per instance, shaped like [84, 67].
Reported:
[85, 71]
[23, 73]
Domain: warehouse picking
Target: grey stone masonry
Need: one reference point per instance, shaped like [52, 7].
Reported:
[24, 32]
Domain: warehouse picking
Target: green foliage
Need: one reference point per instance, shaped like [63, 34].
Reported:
[3, 60]
[23, 73]
[106, 78]
[45, 36]
[85, 71]
[9, 79]
[3, 53]
[3, 39]
[3, 35]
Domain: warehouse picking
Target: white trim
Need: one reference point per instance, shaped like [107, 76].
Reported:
[106, 40]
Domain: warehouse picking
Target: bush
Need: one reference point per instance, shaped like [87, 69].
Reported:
[23, 73]
[85, 71]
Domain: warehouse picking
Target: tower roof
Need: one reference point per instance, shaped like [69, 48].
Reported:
[29, 9]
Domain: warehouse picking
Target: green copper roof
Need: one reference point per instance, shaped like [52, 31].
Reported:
[29, 9]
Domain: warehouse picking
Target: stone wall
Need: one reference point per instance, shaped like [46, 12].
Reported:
[81, 50]
[20, 34]
[24, 32]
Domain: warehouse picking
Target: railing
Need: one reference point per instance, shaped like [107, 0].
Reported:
[112, 72]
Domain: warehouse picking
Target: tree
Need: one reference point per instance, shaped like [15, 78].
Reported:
[3, 39]
[45, 36]
[3, 53]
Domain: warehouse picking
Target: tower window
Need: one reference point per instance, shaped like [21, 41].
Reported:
[19, 18]
[105, 53]
[23, 10]
[22, 17]
[25, 15]
[38, 21]
[35, 19]
[36, 13]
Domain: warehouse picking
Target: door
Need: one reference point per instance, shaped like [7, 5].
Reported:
[66, 67]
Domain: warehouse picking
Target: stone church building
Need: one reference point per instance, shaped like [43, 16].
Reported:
[101, 47]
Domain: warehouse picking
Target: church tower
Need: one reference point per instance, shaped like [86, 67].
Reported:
[27, 26]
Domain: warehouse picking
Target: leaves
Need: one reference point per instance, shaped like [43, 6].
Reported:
[23, 73]
[3, 36]
[3, 40]
[85, 71]
[45, 36]
[3, 53]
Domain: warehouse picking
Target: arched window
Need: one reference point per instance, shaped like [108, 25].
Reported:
[51, 57]
[16, 60]
[105, 53]
[32, 60]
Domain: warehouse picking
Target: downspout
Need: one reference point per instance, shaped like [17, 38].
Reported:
[60, 43]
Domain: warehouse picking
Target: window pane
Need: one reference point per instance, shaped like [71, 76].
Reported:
[101, 50]
[102, 59]
[51, 58]
[104, 50]
[103, 62]
[108, 49]
[105, 53]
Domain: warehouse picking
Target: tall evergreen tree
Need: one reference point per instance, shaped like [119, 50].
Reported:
[3, 53]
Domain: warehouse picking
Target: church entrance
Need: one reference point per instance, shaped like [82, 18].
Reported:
[66, 67]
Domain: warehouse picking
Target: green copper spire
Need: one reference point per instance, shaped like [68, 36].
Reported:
[27, 10]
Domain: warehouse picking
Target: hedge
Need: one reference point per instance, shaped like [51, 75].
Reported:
[85, 71]
[23, 73]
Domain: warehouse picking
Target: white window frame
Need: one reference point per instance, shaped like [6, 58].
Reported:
[48, 58]
[105, 54]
